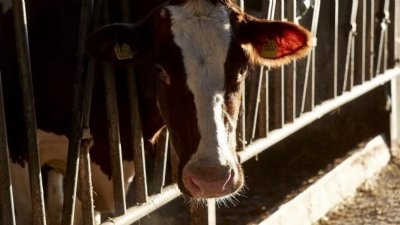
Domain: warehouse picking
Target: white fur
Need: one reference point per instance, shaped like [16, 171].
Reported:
[203, 33]
[22, 193]
[103, 186]
[53, 152]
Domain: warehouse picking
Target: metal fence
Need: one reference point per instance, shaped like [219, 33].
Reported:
[276, 103]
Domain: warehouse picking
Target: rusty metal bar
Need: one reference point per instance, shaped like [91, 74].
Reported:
[25, 80]
[138, 143]
[78, 107]
[85, 173]
[85, 179]
[275, 136]
[114, 140]
[135, 213]
[141, 192]
[6, 193]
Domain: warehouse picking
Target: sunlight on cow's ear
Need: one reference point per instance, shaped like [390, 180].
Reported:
[118, 43]
[271, 43]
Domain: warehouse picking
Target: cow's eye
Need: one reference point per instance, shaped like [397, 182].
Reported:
[163, 75]
[242, 73]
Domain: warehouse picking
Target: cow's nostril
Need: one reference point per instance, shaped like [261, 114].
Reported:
[194, 185]
[229, 179]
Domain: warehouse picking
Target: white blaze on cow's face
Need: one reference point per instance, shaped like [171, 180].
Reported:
[203, 33]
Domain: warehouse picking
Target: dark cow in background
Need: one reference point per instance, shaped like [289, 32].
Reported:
[190, 58]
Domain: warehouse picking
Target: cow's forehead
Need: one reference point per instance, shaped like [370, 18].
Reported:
[203, 33]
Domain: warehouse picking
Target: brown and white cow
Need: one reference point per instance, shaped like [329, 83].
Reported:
[190, 58]
[201, 49]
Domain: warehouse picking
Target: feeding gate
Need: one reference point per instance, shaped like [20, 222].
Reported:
[360, 48]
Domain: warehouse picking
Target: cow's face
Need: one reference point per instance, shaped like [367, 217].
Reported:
[201, 49]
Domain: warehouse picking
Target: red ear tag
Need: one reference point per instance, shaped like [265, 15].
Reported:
[123, 51]
[269, 49]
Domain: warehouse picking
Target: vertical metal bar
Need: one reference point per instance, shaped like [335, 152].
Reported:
[7, 202]
[372, 39]
[161, 161]
[257, 103]
[314, 27]
[114, 140]
[267, 102]
[352, 63]
[78, 108]
[282, 103]
[138, 143]
[114, 137]
[395, 87]
[25, 79]
[85, 178]
[349, 68]
[363, 40]
[141, 192]
[382, 51]
[335, 54]
[294, 67]
[85, 173]
[212, 218]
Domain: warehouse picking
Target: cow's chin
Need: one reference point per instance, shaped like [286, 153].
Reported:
[223, 191]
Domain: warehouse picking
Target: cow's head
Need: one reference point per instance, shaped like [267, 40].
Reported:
[201, 49]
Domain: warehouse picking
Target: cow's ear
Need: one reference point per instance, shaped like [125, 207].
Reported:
[119, 43]
[271, 43]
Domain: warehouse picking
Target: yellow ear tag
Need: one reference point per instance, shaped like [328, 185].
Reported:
[123, 51]
[269, 49]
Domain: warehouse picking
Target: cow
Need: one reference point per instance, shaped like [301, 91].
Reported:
[190, 57]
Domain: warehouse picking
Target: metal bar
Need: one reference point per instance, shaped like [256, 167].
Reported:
[267, 117]
[335, 54]
[85, 178]
[78, 107]
[25, 80]
[395, 87]
[350, 48]
[141, 192]
[274, 137]
[257, 104]
[161, 161]
[363, 40]
[372, 39]
[6, 192]
[314, 27]
[85, 173]
[114, 140]
[212, 218]
[382, 51]
[138, 143]
[135, 213]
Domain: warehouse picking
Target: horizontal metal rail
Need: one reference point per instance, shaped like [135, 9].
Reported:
[319, 111]
[154, 202]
